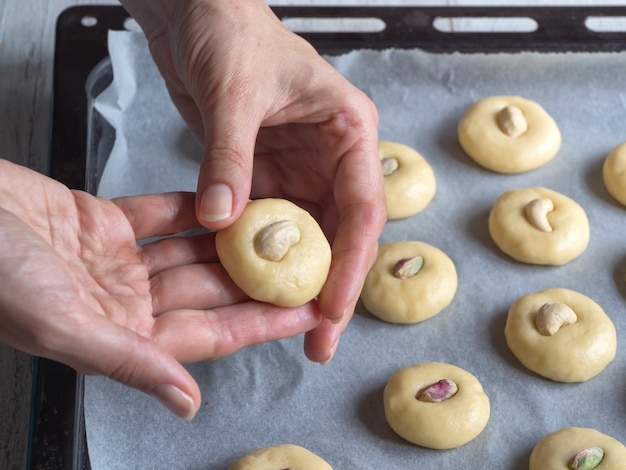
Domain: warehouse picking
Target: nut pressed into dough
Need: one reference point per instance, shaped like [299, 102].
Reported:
[264, 226]
[556, 451]
[443, 425]
[415, 298]
[486, 142]
[614, 173]
[410, 184]
[518, 235]
[576, 352]
[285, 456]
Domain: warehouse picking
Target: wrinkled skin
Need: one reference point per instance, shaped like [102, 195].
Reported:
[276, 120]
[76, 287]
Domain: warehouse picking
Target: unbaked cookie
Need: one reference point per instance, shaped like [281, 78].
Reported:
[560, 334]
[436, 405]
[409, 282]
[281, 457]
[614, 173]
[275, 252]
[409, 180]
[567, 447]
[539, 226]
[509, 134]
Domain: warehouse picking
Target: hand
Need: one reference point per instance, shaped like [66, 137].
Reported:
[75, 287]
[276, 120]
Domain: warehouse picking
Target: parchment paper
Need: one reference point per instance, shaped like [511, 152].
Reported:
[270, 394]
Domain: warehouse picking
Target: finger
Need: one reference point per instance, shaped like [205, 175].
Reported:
[155, 215]
[354, 251]
[321, 343]
[360, 199]
[170, 252]
[196, 286]
[192, 335]
[101, 347]
[226, 170]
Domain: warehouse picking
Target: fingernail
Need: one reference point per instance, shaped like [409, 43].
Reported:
[332, 353]
[338, 320]
[175, 400]
[216, 203]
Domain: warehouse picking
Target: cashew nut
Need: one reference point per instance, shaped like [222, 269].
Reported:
[512, 121]
[274, 241]
[536, 212]
[390, 165]
[551, 317]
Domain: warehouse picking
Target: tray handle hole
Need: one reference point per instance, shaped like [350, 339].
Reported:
[485, 24]
[131, 25]
[89, 21]
[334, 25]
[606, 24]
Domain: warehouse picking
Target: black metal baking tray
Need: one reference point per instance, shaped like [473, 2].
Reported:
[81, 71]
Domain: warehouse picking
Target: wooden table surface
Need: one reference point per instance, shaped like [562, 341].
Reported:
[26, 56]
[27, 30]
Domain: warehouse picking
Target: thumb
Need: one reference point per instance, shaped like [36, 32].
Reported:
[137, 362]
[225, 175]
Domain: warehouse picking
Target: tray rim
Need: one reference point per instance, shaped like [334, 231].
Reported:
[57, 397]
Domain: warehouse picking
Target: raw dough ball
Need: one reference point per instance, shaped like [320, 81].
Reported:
[488, 132]
[574, 353]
[539, 226]
[414, 298]
[275, 252]
[437, 425]
[557, 450]
[614, 173]
[411, 185]
[280, 457]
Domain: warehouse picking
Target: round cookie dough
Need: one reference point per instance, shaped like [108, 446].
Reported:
[574, 353]
[526, 238]
[437, 425]
[409, 180]
[486, 141]
[415, 298]
[283, 456]
[556, 451]
[614, 173]
[250, 252]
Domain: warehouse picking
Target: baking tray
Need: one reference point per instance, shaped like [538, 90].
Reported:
[81, 139]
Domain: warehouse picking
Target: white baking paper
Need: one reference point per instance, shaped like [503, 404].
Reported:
[270, 394]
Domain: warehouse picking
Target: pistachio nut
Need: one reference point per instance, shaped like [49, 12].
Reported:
[408, 267]
[440, 391]
[587, 459]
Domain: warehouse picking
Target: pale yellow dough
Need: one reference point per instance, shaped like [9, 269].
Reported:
[556, 451]
[445, 425]
[285, 456]
[577, 352]
[293, 280]
[482, 138]
[513, 233]
[411, 187]
[415, 298]
[614, 173]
